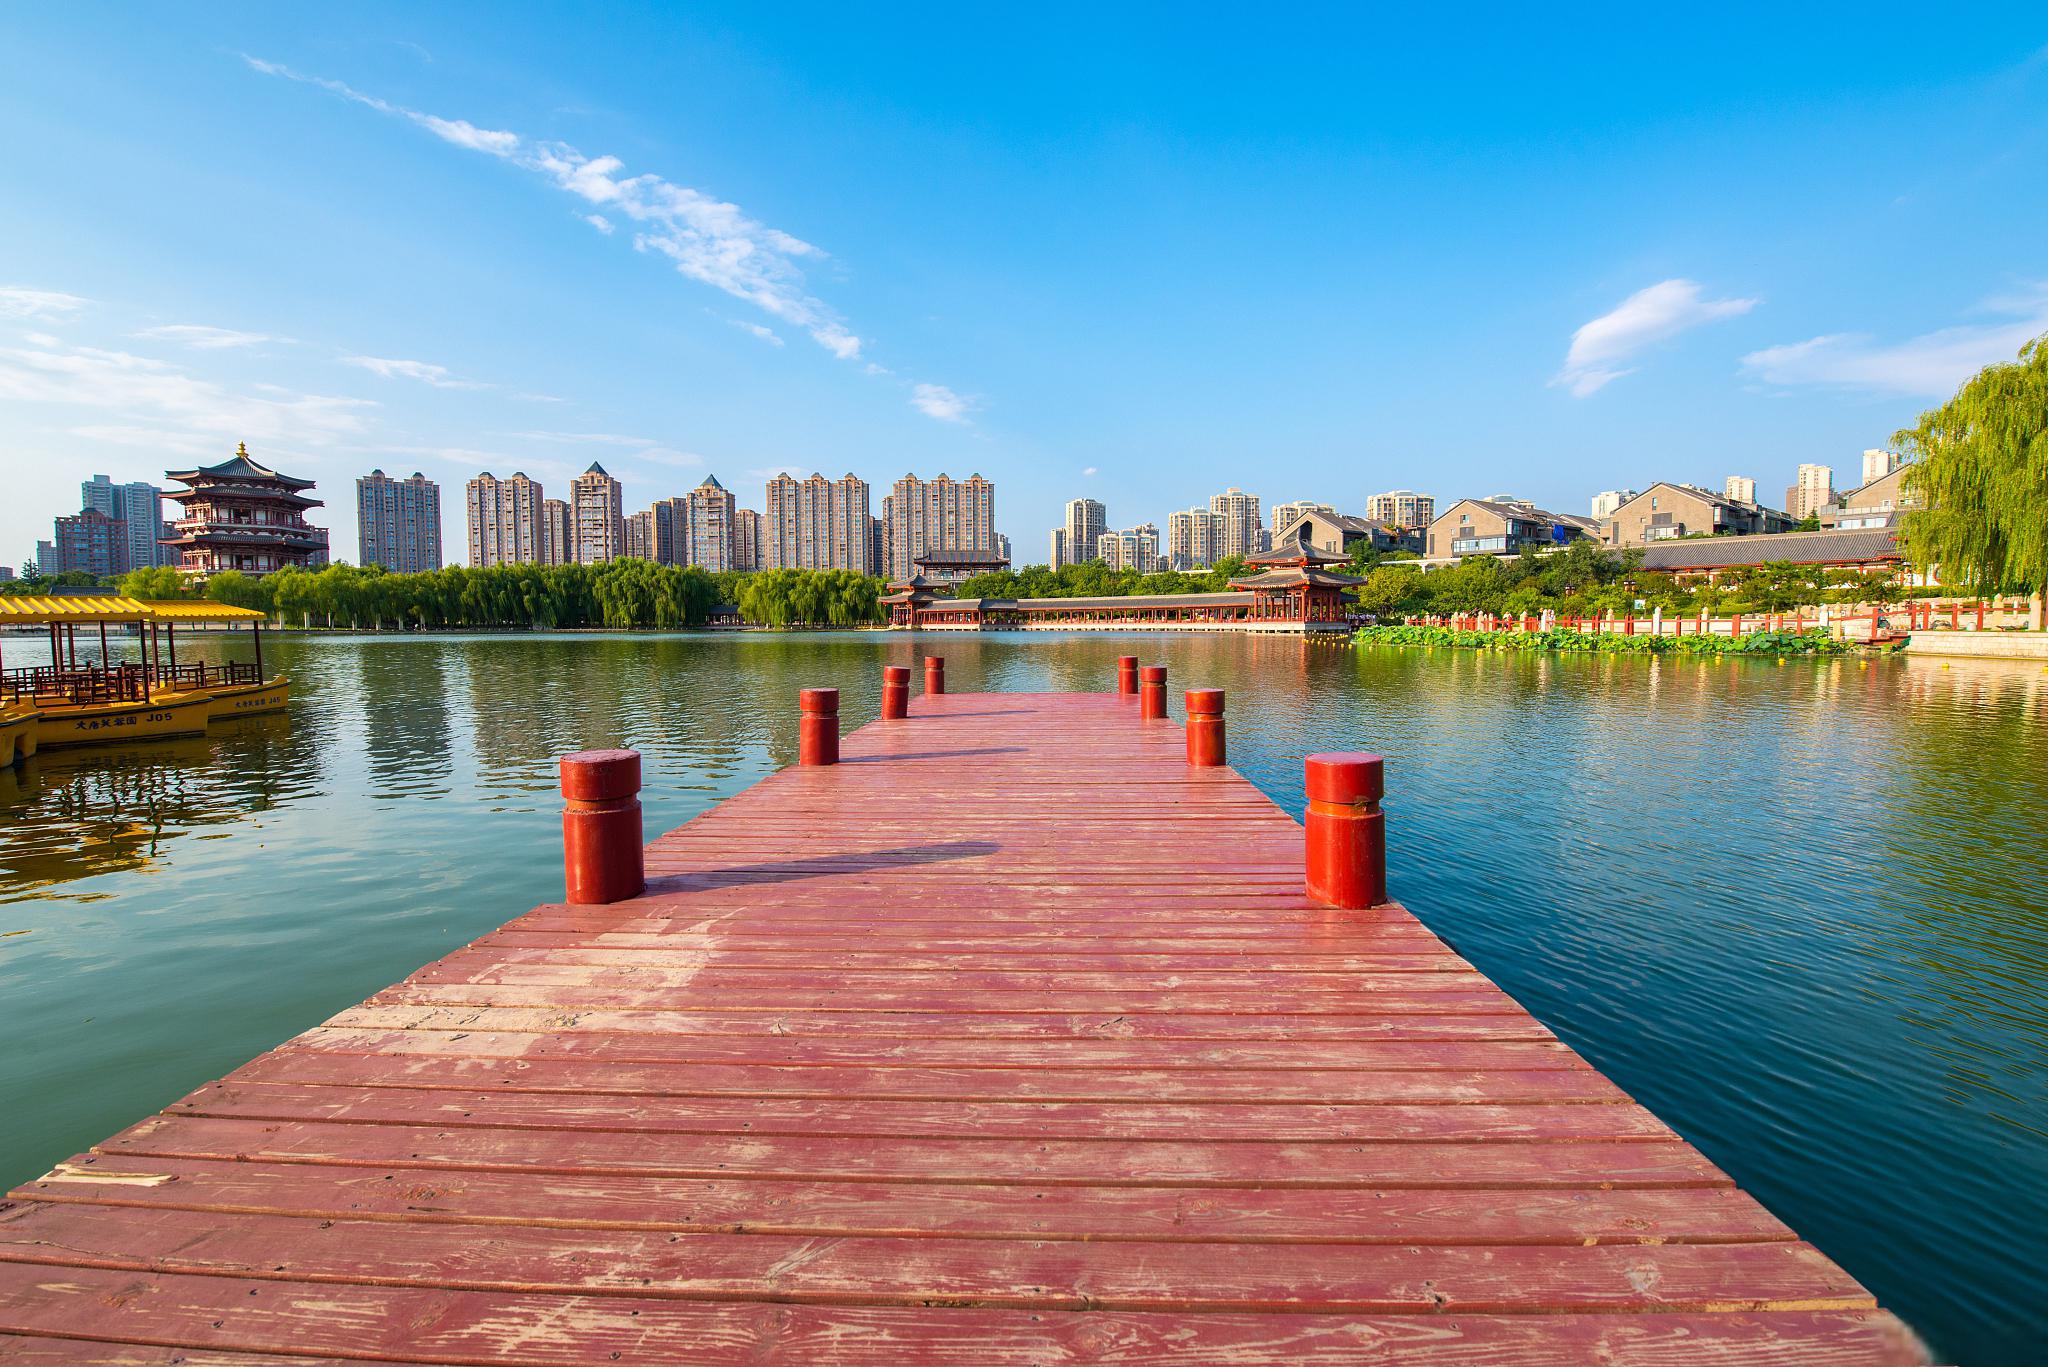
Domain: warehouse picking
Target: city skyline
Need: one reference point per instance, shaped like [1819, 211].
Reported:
[1595, 292]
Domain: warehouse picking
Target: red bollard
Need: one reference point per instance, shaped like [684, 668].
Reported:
[602, 855]
[895, 692]
[1347, 834]
[817, 736]
[1152, 693]
[1127, 676]
[934, 674]
[1205, 727]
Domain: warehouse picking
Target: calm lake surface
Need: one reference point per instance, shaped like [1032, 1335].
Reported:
[1800, 910]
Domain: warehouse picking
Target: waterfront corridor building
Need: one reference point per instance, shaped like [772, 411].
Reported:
[597, 516]
[398, 522]
[240, 515]
[504, 520]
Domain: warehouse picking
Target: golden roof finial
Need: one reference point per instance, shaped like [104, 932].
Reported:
[242, 449]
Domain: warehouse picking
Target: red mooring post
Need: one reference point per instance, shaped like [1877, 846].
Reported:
[895, 692]
[602, 856]
[1152, 693]
[934, 674]
[1347, 834]
[1205, 727]
[1127, 676]
[817, 736]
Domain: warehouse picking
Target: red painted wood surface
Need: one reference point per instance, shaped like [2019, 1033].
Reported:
[1009, 1039]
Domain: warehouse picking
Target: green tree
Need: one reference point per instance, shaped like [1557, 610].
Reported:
[154, 583]
[1981, 478]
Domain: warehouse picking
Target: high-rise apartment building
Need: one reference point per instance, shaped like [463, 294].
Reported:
[1086, 522]
[639, 542]
[746, 539]
[1813, 491]
[1739, 489]
[1402, 508]
[398, 522]
[89, 542]
[139, 507]
[1134, 548]
[1242, 532]
[1057, 556]
[938, 515]
[1285, 513]
[557, 541]
[504, 519]
[818, 524]
[708, 530]
[597, 516]
[1878, 463]
[1192, 538]
[1604, 504]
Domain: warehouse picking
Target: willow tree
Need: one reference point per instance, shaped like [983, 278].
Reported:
[1981, 479]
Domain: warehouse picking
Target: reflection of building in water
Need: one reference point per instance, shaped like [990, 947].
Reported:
[403, 696]
[73, 814]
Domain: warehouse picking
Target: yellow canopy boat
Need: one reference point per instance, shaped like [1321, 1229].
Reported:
[98, 702]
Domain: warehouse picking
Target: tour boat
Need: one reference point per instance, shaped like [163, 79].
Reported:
[95, 701]
[18, 730]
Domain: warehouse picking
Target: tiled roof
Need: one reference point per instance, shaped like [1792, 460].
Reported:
[1852, 547]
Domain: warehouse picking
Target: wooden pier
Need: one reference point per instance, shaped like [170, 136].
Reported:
[1010, 1038]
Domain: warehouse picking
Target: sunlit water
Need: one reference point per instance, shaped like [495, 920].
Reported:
[1799, 910]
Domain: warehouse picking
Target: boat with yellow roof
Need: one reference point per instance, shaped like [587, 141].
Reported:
[93, 701]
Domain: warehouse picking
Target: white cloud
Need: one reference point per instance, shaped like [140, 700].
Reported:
[422, 371]
[18, 301]
[937, 401]
[707, 239]
[767, 335]
[202, 338]
[138, 400]
[1089, 471]
[1644, 318]
[1931, 365]
[599, 222]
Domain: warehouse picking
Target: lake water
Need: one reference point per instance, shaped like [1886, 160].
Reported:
[1800, 910]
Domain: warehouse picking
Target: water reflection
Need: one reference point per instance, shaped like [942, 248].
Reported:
[1794, 908]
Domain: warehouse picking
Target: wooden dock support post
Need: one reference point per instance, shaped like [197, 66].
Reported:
[602, 855]
[1205, 727]
[934, 674]
[1346, 832]
[895, 692]
[1152, 693]
[1127, 676]
[817, 740]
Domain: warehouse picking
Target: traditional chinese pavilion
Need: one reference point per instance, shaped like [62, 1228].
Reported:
[953, 566]
[1295, 584]
[240, 515]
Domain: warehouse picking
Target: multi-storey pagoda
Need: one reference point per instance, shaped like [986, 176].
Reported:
[240, 515]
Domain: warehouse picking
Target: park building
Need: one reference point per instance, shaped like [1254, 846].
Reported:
[1339, 534]
[1501, 525]
[242, 515]
[1401, 508]
[1669, 512]
[398, 522]
[504, 521]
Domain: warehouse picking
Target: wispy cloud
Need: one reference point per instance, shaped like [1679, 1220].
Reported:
[767, 335]
[138, 400]
[1601, 347]
[706, 238]
[1089, 471]
[599, 222]
[202, 338]
[937, 401]
[1931, 365]
[19, 301]
[426, 373]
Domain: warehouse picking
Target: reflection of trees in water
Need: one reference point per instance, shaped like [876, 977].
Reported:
[402, 692]
[73, 814]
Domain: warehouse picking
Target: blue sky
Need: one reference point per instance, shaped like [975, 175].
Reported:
[1136, 254]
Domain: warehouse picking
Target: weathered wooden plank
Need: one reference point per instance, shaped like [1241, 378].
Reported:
[1408, 1216]
[411, 1323]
